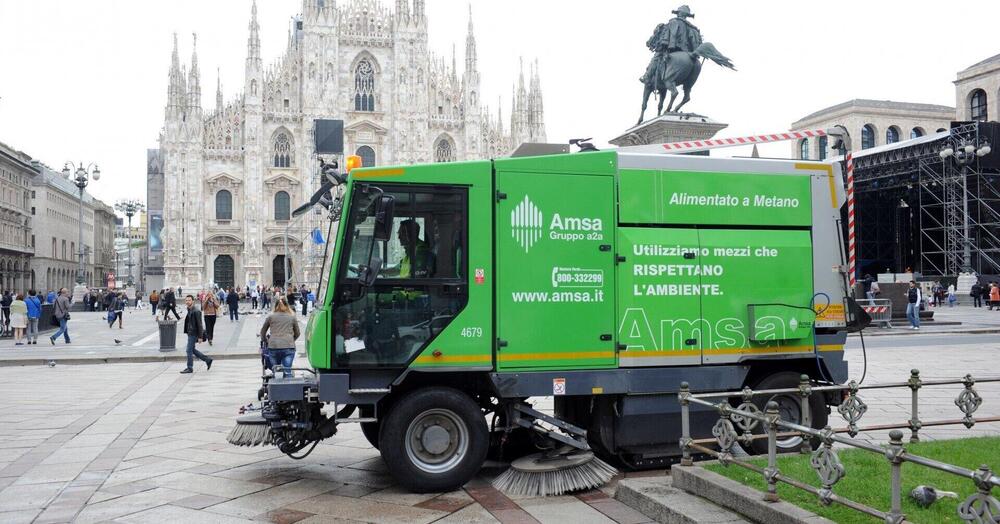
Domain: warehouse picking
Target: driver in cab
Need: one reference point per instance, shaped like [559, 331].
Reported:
[417, 256]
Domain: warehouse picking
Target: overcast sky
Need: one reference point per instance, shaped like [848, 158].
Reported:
[87, 80]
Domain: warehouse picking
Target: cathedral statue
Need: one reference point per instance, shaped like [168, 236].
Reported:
[678, 52]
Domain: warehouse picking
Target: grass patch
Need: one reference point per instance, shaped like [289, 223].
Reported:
[867, 479]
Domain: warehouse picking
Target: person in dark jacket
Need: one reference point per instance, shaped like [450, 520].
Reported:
[233, 301]
[977, 295]
[195, 331]
[5, 302]
[60, 311]
[169, 300]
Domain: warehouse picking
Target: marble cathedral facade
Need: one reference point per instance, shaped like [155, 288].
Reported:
[232, 173]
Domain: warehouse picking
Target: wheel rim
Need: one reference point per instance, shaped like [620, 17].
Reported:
[437, 440]
[790, 411]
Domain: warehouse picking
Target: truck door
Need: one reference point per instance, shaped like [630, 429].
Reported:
[659, 302]
[555, 271]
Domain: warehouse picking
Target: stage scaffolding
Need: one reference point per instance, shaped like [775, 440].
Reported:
[938, 216]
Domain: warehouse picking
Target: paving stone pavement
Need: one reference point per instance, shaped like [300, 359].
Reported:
[138, 442]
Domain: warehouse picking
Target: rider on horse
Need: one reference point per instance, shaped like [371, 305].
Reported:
[676, 35]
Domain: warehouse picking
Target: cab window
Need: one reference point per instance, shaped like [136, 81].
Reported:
[421, 286]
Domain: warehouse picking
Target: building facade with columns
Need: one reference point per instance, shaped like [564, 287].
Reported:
[16, 217]
[878, 122]
[232, 173]
[56, 202]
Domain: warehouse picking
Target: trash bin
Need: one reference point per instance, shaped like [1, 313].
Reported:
[168, 334]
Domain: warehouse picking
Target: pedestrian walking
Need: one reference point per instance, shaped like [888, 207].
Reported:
[34, 313]
[304, 300]
[195, 331]
[5, 307]
[60, 316]
[280, 331]
[254, 298]
[154, 300]
[50, 297]
[210, 310]
[170, 304]
[994, 296]
[977, 295]
[913, 300]
[119, 306]
[233, 302]
[986, 294]
[19, 319]
[952, 299]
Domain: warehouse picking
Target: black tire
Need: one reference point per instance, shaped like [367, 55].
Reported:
[790, 409]
[370, 429]
[412, 442]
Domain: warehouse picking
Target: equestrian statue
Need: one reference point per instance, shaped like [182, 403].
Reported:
[678, 53]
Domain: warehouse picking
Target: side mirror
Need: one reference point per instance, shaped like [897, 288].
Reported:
[368, 274]
[384, 208]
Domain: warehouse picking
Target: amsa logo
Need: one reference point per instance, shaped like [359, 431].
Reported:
[526, 223]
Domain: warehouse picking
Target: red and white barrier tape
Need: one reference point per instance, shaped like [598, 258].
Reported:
[713, 143]
[851, 253]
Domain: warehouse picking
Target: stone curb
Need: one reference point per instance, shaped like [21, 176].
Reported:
[657, 499]
[907, 331]
[173, 356]
[747, 501]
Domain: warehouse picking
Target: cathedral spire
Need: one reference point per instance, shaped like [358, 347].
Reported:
[402, 10]
[470, 45]
[218, 90]
[174, 84]
[253, 44]
[418, 9]
[194, 78]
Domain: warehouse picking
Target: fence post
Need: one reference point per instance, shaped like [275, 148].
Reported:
[894, 454]
[805, 390]
[771, 472]
[914, 384]
[683, 395]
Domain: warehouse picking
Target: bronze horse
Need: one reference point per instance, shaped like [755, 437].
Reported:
[682, 69]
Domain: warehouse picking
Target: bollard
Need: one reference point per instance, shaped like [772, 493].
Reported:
[683, 395]
[894, 454]
[771, 472]
[805, 391]
[914, 384]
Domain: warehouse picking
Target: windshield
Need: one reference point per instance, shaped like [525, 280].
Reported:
[328, 247]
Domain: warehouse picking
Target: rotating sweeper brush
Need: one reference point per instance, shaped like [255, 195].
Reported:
[250, 430]
[569, 466]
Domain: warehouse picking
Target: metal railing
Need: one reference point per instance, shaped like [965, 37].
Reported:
[981, 507]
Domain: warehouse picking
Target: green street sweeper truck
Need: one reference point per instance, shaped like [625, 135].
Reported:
[452, 293]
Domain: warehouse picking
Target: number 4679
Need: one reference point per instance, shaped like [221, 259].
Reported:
[472, 332]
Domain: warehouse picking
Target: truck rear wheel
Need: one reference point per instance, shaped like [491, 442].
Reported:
[434, 439]
[790, 409]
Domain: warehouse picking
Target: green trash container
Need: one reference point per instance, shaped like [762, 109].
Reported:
[168, 334]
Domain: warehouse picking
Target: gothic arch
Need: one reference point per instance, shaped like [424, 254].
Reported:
[444, 148]
[282, 147]
[365, 72]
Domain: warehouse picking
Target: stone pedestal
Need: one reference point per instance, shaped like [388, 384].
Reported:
[670, 127]
[79, 291]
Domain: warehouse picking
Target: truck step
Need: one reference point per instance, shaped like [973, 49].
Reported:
[358, 420]
[367, 391]
[659, 500]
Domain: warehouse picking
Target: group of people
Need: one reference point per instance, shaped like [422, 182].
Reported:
[988, 294]
[279, 331]
[20, 316]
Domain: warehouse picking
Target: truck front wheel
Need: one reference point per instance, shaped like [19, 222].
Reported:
[434, 440]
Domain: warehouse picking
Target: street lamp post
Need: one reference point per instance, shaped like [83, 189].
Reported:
[81, 177]
[130, 207]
